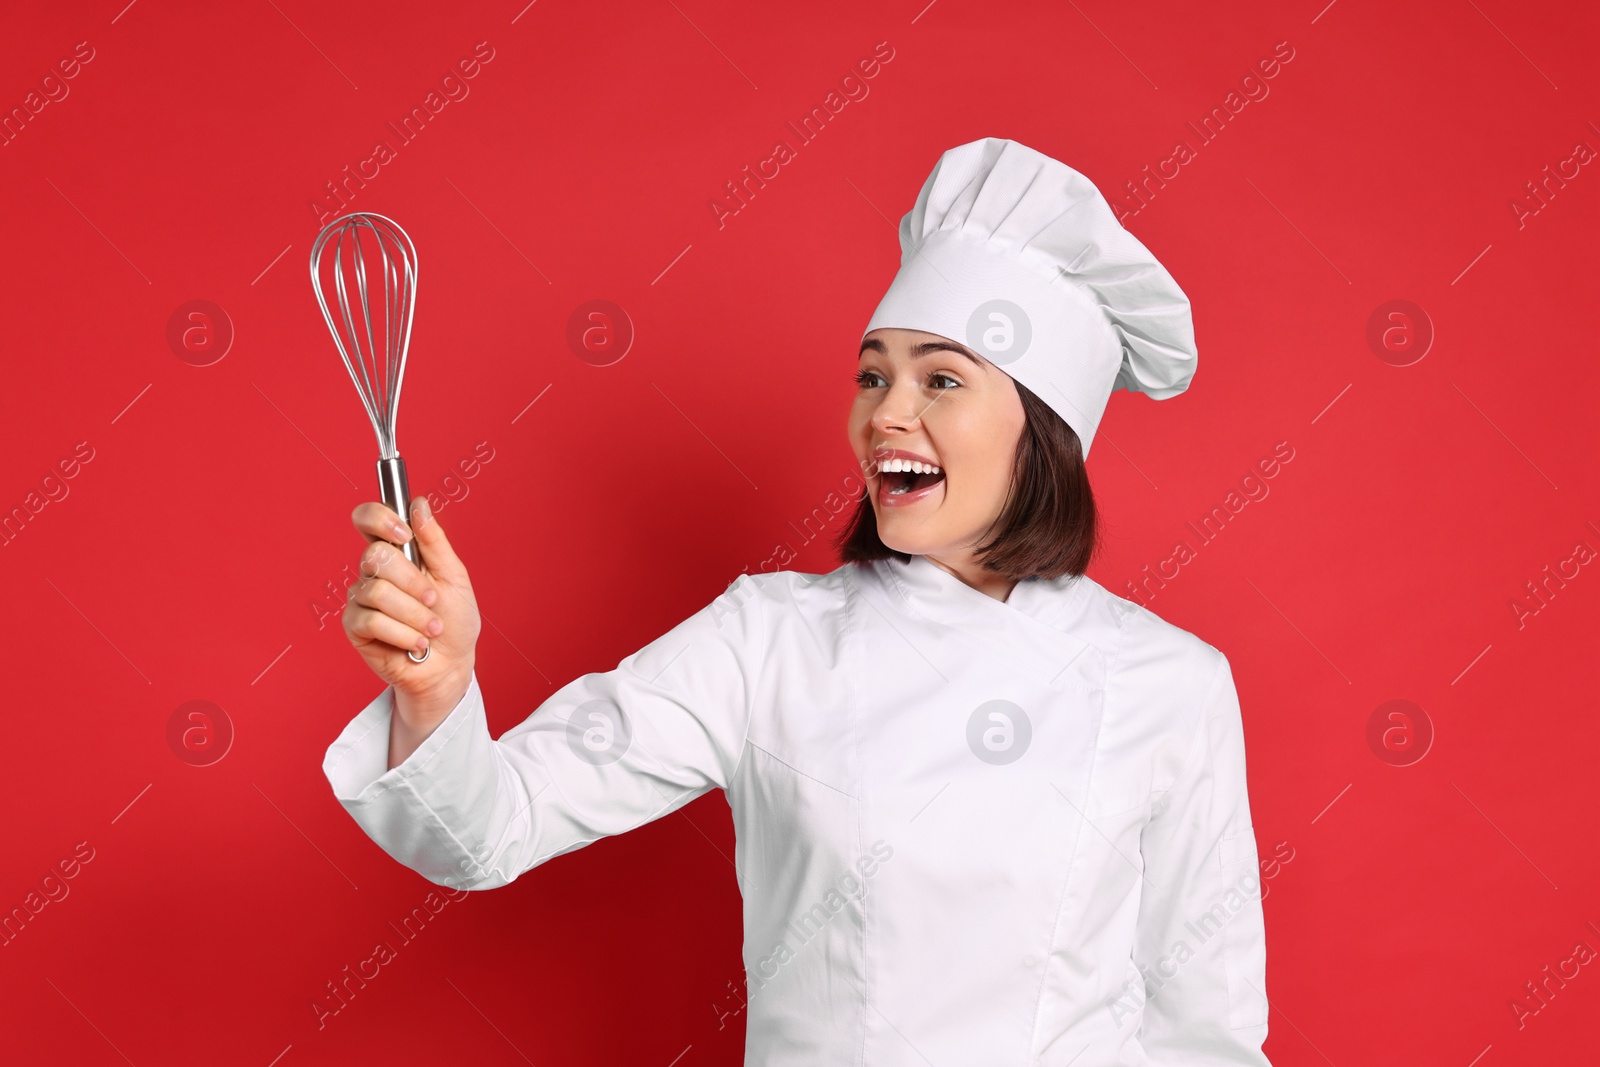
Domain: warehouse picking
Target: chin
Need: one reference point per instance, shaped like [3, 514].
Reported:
[914, 546]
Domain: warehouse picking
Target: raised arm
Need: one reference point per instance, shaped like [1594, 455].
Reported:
[607, 752]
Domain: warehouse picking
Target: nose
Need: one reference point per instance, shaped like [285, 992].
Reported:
[901, 408]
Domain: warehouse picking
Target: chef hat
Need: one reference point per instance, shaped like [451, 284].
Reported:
[1019, 257]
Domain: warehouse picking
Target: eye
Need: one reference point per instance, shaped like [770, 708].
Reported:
[865, 378]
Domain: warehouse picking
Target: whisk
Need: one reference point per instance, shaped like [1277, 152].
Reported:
[345, 259]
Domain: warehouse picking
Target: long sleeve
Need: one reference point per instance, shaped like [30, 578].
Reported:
[607, 752]
[1201, 939]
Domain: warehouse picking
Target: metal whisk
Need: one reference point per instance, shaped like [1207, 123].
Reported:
[346, 259]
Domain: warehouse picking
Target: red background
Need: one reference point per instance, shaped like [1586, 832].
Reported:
[185, 562]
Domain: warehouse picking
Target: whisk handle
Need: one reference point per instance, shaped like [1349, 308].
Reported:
[396, 493]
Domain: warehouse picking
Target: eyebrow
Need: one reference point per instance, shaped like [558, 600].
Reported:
[918, 350]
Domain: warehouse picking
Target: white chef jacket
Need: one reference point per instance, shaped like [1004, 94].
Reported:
[968, 831]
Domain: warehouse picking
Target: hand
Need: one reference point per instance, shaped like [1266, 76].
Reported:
[395, 607]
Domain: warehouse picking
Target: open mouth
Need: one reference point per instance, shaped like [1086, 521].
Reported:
[899, 483]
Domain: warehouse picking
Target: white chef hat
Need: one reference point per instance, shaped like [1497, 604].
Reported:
[1018, 257]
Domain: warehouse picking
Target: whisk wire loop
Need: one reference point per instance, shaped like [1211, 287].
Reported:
[374, 349]
[374, 352]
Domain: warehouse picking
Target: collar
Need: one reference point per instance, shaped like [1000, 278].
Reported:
[1041, 629]
[936, 594]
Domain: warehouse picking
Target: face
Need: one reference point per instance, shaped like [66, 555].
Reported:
[924, 398]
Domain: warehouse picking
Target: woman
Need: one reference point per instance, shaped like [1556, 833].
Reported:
[986, 811]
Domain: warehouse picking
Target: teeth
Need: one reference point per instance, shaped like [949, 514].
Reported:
[894, 466]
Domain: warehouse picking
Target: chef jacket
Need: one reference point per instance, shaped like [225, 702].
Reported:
[968, 831]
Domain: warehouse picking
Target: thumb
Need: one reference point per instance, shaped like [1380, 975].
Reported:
[440, 559]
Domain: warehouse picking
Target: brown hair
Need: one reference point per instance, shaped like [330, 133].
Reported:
[1047, 526]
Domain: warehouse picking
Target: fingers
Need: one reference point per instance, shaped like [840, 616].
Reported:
[383, 560]
[373, 625]
[391, 603]
[384, 596]
[441, 558]
[378, 522]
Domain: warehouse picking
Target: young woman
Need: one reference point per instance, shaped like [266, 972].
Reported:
[986, 811]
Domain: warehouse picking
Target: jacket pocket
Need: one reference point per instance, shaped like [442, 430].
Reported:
[1236, 847]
